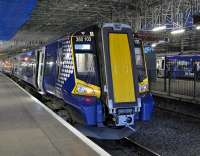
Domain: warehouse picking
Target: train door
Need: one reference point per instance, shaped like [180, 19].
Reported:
[120, 72]
[160, 66]
[50, 69]
[40, 68]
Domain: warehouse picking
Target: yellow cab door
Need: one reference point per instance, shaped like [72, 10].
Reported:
[120, 70]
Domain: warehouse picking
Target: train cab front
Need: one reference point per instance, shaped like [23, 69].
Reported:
[119, 77]
[106, 86]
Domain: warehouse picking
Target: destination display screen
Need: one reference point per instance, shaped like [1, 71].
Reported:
[82, 47]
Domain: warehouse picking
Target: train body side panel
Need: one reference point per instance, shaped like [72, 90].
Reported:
[147, 108]
[182, 66]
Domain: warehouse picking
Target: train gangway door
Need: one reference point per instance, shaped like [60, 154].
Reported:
[119, 66]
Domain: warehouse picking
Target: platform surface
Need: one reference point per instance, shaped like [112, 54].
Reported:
[28, 129]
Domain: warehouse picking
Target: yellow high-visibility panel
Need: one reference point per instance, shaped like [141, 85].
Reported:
[121, 66]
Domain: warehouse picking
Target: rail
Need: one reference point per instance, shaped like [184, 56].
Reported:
[144, 150]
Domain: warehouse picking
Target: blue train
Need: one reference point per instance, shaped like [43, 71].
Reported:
[99, 72]
[179, 66]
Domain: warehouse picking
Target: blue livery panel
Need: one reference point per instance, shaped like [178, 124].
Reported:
[182, 66]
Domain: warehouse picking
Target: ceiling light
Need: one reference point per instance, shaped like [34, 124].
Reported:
[159, 28]
[153, 45]
[177, 31]
[198, 27]
[161, 41]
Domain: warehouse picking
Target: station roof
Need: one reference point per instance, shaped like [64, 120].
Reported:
[30, 23]
[38, 21]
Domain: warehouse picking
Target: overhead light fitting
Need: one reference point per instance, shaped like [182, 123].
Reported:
[159, 28]
[154, 45]
[161, 41]
[157, 43]
[177, 31]
[198, 27]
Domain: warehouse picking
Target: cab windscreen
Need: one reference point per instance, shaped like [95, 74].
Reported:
[86, 59]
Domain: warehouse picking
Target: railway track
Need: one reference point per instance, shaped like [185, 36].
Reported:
[142, 150]
[125, 147]
[178, 112]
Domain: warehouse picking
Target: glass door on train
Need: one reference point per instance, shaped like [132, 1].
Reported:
[40, 74]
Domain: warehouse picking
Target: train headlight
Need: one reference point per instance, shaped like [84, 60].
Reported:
[82, 89]
[85, 89]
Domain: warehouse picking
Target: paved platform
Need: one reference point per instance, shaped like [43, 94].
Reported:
[28, 128]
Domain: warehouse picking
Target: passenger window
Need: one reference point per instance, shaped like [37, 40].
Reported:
[49, 65]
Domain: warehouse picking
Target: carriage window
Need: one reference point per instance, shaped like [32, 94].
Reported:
[49, 65]
[182, 64]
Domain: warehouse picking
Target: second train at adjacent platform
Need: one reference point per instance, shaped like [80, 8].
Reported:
[99, 72]
[179, 66]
